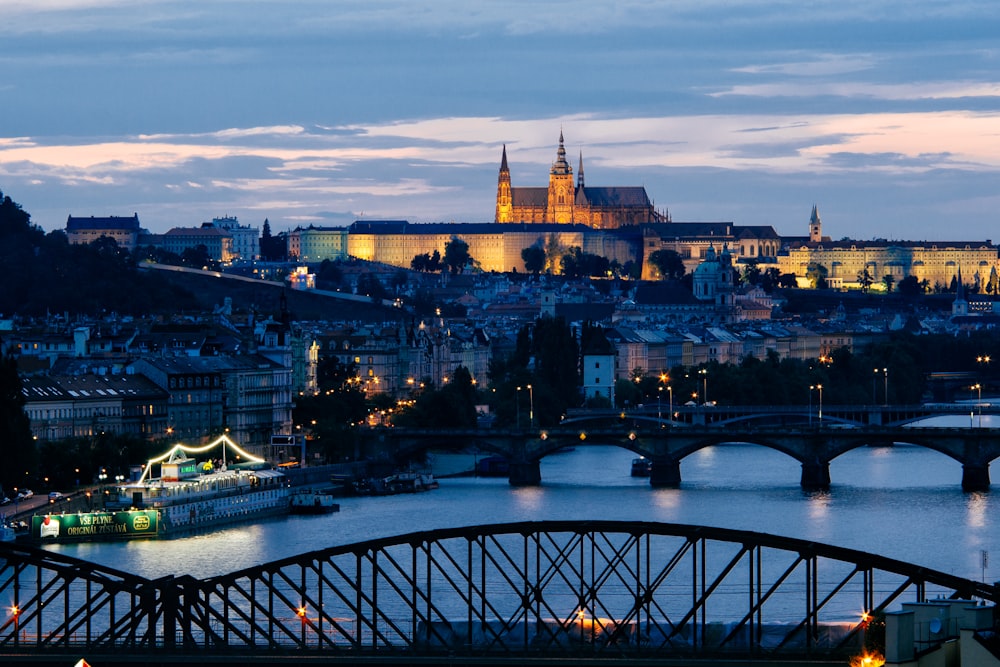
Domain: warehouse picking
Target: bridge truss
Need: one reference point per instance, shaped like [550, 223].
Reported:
[535, 589]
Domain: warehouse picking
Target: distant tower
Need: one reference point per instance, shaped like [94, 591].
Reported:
[579, 173]
[815, 226]
[561, 190]
[960, 306]
[505, 204]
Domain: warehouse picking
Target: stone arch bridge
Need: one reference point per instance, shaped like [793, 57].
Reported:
[666, 444]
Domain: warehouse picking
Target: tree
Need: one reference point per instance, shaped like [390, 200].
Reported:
[770, 279]
[865, 280]
[399, 281]
[456, 255]
[909, 287]
[17, 447]
[370, 285]
[266, 242]
[426, 262]
[751, 272]
[888, 281]
[816, 273]
[329, 275]
[534, 259]
[668, 263]
[787, 280]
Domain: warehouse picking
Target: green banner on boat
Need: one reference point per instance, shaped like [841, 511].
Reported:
[95, 525]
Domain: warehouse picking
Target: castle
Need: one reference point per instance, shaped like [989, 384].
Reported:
[564, 202]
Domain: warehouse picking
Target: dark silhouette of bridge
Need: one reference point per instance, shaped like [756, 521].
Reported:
[532, 592]
[667, 443]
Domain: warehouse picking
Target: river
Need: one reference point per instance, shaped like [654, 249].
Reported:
[904, 502]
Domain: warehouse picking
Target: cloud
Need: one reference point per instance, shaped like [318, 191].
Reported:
[826, 64]
[926, 90]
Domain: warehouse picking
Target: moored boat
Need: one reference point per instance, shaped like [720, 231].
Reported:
[642, 467]
[400, 482]
[310, 501]
[188, 495]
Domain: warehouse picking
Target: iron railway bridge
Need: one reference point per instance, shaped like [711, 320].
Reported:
[537, 592]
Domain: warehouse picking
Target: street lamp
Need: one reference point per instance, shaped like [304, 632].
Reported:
[517, 406]
[885, 385]
[670, 390]
[704, 379]
[979, 401]
[819, 388]
[659, 403]
[531, 407]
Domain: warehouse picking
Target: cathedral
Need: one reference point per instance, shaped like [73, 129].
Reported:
[566, 202]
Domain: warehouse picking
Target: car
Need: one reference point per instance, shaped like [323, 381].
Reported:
[25, 494]
[56, 496]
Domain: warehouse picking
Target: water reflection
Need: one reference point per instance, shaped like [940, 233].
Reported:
[903, 502]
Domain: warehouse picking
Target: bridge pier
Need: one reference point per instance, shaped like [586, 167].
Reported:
[815, 475]
[524, 473]
[665, 474]
[975, 477]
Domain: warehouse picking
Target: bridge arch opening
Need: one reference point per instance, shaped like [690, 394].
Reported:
[896, 466]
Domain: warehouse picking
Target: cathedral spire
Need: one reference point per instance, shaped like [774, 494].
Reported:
[579, 173]
[505, 197]
[561, 166]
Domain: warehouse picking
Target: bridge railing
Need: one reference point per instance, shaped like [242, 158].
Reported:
[610, 589]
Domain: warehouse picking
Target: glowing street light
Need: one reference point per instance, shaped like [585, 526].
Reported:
[531, 407]
[979, 402]
[517, 406]
[885, 384]
[819, 388]
[704, 379]
[670, 390]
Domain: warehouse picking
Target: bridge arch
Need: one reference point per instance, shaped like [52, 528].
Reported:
[558, 589]
[667, 445]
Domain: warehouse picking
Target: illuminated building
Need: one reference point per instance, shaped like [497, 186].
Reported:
[565, 202]
[125, 231]
[846, 260]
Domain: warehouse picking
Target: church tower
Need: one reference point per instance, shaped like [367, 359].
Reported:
[561, 190]
[815, 226]
[505, 204]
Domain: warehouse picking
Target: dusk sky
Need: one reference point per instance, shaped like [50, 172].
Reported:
[885, 114]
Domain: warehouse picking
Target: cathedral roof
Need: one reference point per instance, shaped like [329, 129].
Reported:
[617, 196]
[530, 196]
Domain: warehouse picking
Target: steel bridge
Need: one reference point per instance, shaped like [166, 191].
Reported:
[535, 592]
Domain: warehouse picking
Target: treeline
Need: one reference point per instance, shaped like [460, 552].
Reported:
[44, 273]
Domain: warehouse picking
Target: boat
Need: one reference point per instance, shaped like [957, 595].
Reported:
[7, 533]
[400, 482]
[642, 467]
[492, 466]
[311, 501]
[188, 495]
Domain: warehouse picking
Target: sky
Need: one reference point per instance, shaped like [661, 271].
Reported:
[883, 113]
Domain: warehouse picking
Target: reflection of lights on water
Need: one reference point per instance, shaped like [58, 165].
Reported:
[668, 499]
[819, 505]
[529, 497]
[975, 510]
